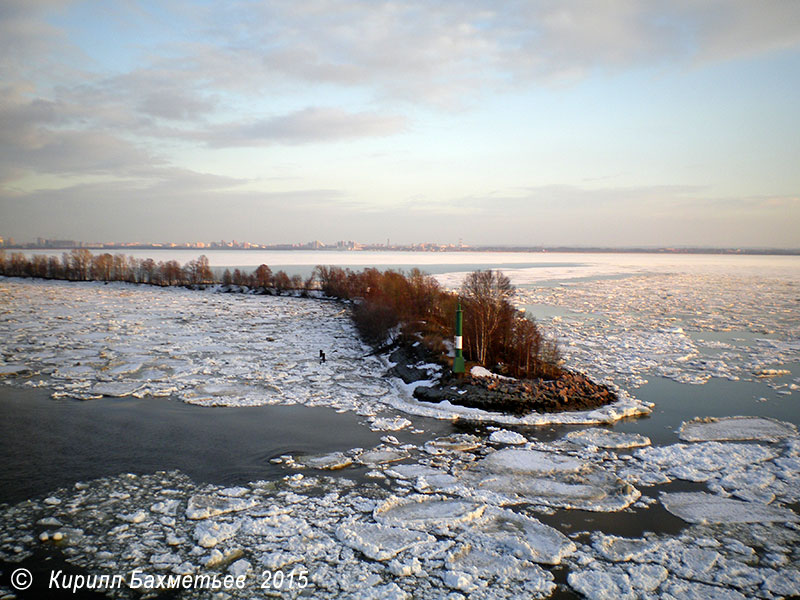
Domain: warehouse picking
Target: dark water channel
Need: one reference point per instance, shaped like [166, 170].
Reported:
[46, 444]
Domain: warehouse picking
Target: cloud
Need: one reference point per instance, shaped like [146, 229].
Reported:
[40, 136]
[313, 124]
[189, 206]
[252, 74]
[436, 52]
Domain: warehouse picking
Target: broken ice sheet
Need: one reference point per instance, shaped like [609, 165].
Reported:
[504, 436]
[380, 456]
[515, 476]
[508, 532]
[172, 341]
[702, 461]
[530, 462]
[628, 329]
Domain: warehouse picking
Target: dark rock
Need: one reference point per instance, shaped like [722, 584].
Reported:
[571, 391]
[429, 394]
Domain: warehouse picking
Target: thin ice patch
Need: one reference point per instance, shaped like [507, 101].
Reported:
[332, 461]
[736, 429]
[700, 507]
[529, 462]
[604, 438]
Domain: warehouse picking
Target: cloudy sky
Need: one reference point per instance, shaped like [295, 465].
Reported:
[520, 122]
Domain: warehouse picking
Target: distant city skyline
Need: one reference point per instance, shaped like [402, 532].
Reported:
[622, 124]
[13, 245]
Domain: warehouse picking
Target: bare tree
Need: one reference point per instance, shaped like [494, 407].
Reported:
[122, 268]
[204, 272]
[39, 266]
[101, 267]
[147, 269]
[282, 281]
[80, 260]
[487, 295]
[171, 272]
[263, 276]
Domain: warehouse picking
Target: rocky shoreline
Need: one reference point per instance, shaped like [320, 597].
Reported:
[571, 391]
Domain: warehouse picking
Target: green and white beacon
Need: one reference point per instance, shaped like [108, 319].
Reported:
[458, 361]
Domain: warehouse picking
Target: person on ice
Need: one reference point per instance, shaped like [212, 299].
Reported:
[321, 357]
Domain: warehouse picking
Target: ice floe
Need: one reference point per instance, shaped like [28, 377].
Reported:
[603, 438]
[504, 436]
[700, 507]
[736, 428]
[516, 476]
[380, 542]
[427, 512]
[529, 462]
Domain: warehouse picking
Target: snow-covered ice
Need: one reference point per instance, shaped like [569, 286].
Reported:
[89, 340]
[664, 323]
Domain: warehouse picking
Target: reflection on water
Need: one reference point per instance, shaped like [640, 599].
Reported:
[677, 402]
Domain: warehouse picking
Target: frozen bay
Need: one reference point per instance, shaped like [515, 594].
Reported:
[651, 507]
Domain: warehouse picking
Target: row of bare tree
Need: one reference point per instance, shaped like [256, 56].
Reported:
[81, 265]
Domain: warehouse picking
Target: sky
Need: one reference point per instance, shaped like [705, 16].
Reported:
[585, 123]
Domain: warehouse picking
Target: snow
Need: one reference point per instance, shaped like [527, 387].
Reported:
[478, 371]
